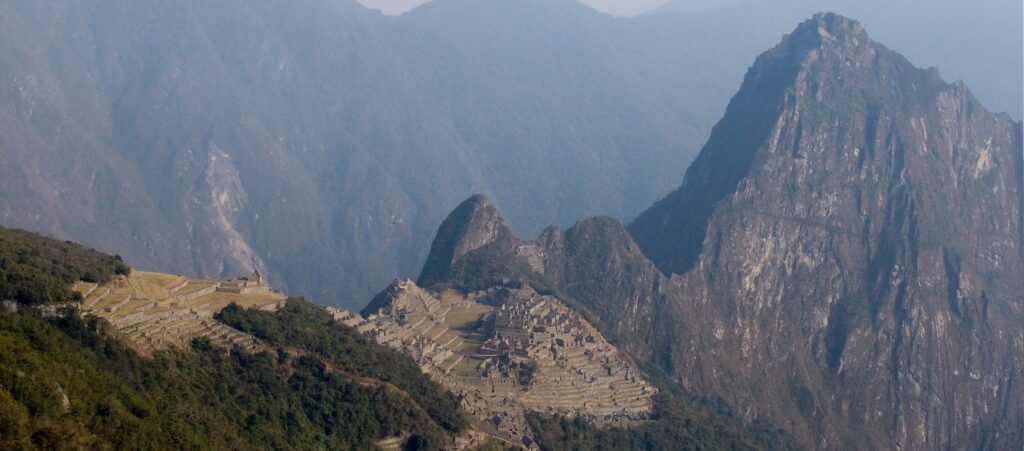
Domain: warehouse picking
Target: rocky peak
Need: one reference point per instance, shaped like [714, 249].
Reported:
[826, 76]
[825, 28]
[475, 223]
[550, 237]
[598, 264]
[826, 35]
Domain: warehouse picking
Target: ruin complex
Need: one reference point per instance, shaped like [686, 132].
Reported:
[508, 349]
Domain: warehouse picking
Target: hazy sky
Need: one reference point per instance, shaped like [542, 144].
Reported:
[616, 7]
[965, 40]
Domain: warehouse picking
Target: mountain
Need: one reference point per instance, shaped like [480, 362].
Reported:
[842, 260]
[475, 223]
[322, 142]
[851, 239]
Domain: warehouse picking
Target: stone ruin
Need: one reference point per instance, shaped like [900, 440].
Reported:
[533, 353]
[244, 285]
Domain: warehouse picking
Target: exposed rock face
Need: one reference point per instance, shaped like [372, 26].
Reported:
[847, 252]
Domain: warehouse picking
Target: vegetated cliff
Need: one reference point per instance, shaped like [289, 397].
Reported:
[475, 223]
[847, 252]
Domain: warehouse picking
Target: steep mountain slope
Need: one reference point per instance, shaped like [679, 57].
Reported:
[319, 142]
[322, 142]
[475, 223]
[850, 239]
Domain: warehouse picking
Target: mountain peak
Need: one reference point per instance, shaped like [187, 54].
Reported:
[823, 30]
[823, 36]
[477, 200]
[475, 223]
[832, 26]
[827, 67]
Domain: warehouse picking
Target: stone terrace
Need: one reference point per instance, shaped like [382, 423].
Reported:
[156, 311]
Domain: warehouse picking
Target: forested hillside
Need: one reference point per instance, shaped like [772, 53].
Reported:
[69, 382]
[38, 270]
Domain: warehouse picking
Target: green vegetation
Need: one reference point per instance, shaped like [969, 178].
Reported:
[309, 328]
[490, 265]
[206, 399]
[69, 383]
[492, 444]
[37, 270]
[677, 428]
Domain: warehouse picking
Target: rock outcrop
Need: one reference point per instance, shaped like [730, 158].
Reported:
[598, 265]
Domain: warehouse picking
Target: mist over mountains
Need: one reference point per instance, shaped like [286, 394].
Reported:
[323, 142]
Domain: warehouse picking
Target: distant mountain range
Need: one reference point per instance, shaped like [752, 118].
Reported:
[321, 142]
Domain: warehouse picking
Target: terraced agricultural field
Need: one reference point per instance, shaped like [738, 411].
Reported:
[157, 311]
